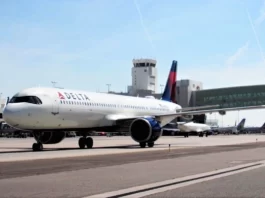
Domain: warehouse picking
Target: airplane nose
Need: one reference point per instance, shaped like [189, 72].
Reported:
[12, 116]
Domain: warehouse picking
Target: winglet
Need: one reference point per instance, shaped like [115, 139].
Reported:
[170, 88]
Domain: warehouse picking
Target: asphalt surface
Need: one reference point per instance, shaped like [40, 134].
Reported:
[84, 176]
[248, 184]
[46, 166]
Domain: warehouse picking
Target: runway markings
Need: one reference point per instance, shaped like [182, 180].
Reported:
[158, 187]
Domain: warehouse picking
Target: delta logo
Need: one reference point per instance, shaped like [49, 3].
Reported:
[72, 96]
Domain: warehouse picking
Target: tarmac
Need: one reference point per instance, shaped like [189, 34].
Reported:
[11, 149]
[217, 166]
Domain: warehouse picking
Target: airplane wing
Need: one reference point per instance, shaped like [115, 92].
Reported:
[199, 107]
[166, 118]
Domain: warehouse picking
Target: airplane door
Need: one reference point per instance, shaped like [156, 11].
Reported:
[55, 106]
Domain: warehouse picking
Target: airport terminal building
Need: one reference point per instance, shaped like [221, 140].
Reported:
[230, 97]
[190, 93]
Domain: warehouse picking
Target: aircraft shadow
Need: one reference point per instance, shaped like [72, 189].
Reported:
[26, 150]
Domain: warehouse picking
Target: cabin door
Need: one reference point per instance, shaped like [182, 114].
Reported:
[55, 106]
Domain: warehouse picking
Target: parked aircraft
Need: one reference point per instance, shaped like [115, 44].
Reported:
[194, 127]
[233, 129]
[50, 112]
[254, 129]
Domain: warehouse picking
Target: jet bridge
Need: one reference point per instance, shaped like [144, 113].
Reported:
[230, 97]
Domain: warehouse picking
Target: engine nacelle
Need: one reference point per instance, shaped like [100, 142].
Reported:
[187, 117]
[49, 137]
[145, 130]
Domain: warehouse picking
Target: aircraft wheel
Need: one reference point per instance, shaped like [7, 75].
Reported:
[82, 142]
[142, 144]
[150, 144]
[37, 147]
[89, 142]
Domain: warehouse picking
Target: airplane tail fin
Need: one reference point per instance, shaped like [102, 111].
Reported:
[241, 124]
[263, 126]
[170, 88]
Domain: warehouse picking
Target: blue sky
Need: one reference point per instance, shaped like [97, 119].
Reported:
[85, 44]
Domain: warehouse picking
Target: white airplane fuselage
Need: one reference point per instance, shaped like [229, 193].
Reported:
[191, 126]
[73, 109]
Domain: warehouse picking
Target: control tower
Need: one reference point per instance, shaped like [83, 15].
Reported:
[144, 75]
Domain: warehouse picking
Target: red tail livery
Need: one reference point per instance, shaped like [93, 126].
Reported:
[170, 89]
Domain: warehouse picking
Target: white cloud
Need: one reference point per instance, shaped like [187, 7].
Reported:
[261, 16]
[238, 54]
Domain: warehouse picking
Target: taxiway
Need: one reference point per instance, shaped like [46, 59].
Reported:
[228, 165]
[20, 149]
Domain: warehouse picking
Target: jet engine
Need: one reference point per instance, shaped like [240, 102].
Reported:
[49, 137]
[145, 130]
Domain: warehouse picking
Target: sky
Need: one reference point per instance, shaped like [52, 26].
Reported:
[86, 44]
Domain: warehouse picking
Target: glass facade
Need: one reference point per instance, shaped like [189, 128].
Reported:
[231, 97]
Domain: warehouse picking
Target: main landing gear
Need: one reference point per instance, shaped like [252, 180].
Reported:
[149, 144]
[202, 134]
[85, 142]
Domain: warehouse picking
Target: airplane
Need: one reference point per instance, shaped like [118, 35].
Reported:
[233, 129]
[49, 112]
[194, 127]
[254, 129]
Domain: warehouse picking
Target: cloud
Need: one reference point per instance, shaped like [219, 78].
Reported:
[237, 55]
[261, 16]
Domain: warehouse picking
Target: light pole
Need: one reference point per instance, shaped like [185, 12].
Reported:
[1, 100]
[108, 85]
[53, 83]
[161, 86]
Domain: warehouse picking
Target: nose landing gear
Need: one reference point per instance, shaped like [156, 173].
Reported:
[37, 147]
[85, 142]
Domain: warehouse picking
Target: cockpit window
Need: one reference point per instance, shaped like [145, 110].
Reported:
[27, 99]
